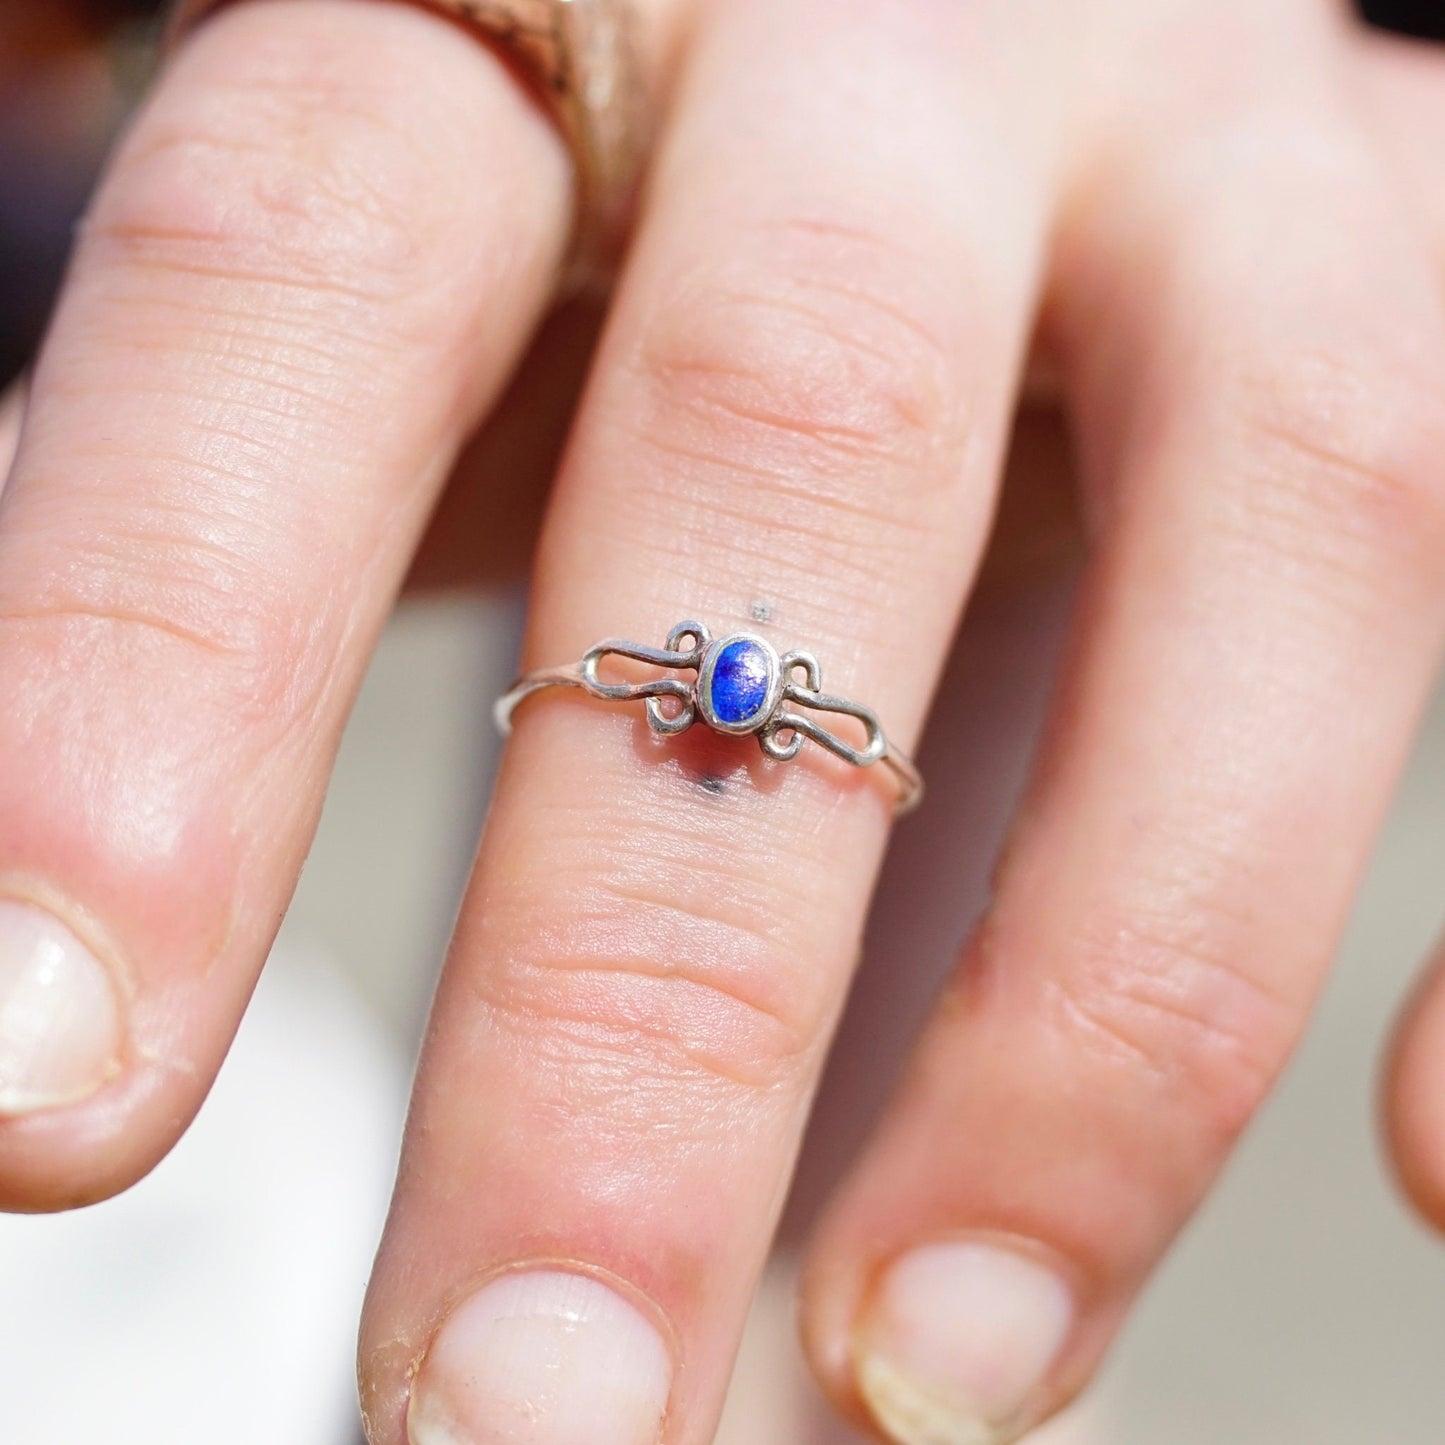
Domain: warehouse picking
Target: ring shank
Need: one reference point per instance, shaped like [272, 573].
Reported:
[906, 776]
[532, 683]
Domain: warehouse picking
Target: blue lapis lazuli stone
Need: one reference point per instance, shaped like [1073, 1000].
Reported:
[739, 683]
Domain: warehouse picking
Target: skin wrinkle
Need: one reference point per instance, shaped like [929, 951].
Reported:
[841, 531]
[303, 331]
[653, 929]
[156, 250]
[694, 1122]
[338, 360]
[1170, 948]
[215, 556]
[257, 663]
[715, 1046]
[827, 393]
[289, 393]
[775, 914]
[1199, 1027]
[681, 1006]
[859, 422]
[659, 919]
[851, 250]
[752, 556]
[80, 613]
[1384, 490]
[210, 442]
[263, 353]
[303, 191]
[383, 255]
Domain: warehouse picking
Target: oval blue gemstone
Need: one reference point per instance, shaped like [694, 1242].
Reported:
[739, 682]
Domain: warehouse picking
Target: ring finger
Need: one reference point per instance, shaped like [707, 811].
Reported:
[795, 424]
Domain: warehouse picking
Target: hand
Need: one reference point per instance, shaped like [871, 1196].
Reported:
[316, 259]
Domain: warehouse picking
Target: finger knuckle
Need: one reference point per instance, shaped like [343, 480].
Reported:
[191, 612]
[684, 984]
[1169, 1003]
[810, 347]
[1349, 462]
[300, 165]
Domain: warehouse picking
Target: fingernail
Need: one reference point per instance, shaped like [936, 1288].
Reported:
[59, 1013]
[543, 1357]
[957, 1341]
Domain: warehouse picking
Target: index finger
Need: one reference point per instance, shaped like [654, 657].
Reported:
[314, 259]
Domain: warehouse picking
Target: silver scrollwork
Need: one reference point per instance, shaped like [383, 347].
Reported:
[789, 719]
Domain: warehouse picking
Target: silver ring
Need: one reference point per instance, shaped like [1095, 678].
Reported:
[740, 686]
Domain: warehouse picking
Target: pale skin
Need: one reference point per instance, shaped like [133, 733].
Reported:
[1213, 232]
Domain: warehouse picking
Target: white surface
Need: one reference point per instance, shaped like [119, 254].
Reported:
[216, 1302]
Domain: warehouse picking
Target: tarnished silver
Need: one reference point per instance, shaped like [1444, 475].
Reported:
[782, 722]
[583, 59]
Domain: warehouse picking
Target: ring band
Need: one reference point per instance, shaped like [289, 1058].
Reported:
[741, 686]
[582, 60]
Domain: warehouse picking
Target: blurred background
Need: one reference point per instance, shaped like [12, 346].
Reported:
[217, 1301]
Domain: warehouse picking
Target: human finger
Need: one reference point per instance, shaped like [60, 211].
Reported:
[1253, 345]
[314, 260]
[794, 425]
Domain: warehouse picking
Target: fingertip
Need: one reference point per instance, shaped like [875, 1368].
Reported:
[114, 1017]
[90, 1151]
[86, 1150]
[828, 1293]
[1413, 1100]
[64, 1046]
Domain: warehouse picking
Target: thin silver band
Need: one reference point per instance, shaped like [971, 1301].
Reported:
[788, 689]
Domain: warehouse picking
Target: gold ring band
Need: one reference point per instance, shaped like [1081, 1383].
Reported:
[581, 59]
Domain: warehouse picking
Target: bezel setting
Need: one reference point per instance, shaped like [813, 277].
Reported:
[758, 718]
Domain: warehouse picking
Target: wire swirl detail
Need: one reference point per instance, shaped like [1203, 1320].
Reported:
[737, 684]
